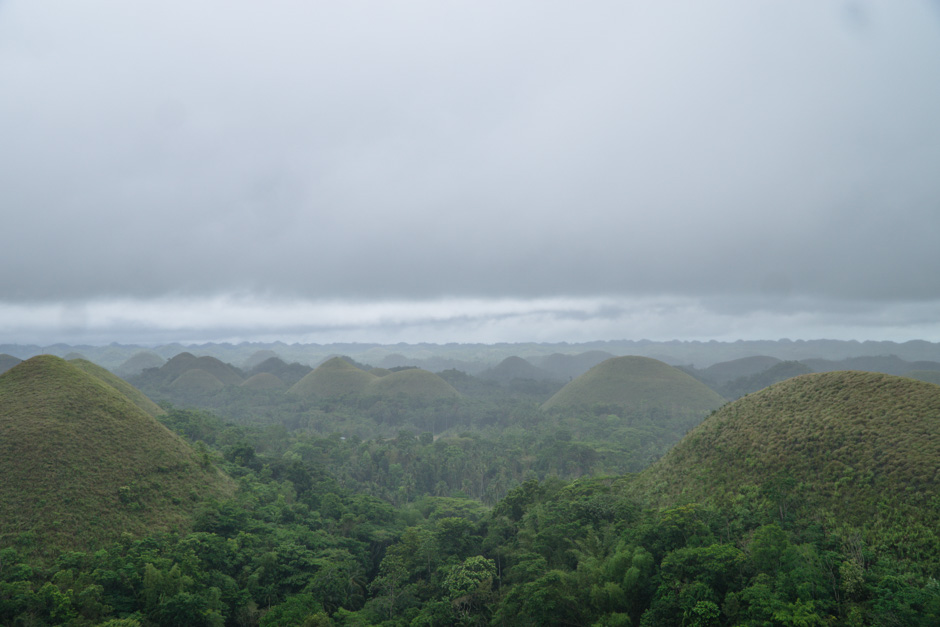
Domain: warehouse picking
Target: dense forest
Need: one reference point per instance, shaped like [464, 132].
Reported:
[635, 493]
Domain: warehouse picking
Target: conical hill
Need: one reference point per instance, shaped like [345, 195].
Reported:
[637, 385]
[334, 378]
[81, 464]
[139, 362]
[414, 384]
[195, 383]
[225, 373]
[862, 445]
[515, 368]
[263, 381]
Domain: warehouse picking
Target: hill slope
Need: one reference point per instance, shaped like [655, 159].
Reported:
[81, 463]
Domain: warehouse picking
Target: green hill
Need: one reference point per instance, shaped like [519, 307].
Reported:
[259, 357]
[637, 385]
[334, 378]
[195, 383]
[414, 384]
[171, 370]
[516, 368]
[566, 367]
[863, 446]
[263, 381]
[82, 464]
[136, 396]
[288, 373]
[139, 362]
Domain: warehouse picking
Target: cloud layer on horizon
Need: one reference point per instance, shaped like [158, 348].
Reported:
[748, 160]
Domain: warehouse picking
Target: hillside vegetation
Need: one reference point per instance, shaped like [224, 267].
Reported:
[81, 463]
[861, 446]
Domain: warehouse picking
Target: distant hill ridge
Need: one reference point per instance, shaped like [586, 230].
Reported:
[337, 378]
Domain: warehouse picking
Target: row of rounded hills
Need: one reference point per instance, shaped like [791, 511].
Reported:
[188, 377]
[72, 428]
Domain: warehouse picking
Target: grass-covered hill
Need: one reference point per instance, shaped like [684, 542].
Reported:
[8, 361]
[637, 385]
[164, 376]
[515, 368]
[195, 383]
[81, 463]
[334, 378]
[861, 446]
[136, 396]
[259, 357]
[288, 373]
[413, 384]
[566, 367]
[139, 362]
[263, 381]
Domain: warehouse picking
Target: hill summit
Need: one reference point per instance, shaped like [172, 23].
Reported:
[81, 463]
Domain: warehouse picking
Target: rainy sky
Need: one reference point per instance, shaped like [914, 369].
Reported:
[469, 171]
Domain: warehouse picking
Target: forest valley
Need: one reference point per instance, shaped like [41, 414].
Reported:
[485, 509]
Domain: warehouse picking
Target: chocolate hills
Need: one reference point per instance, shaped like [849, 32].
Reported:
[288, 373]
[139, 362]
[337, 378]
[414, 384]
[334, 378]
[164, 376]
[567, 367]
[861, 446]
[637, 385]
[516, 368]
[81, 463]
[263, 381]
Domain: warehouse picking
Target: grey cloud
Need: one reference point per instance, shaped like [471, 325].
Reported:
[750, 152]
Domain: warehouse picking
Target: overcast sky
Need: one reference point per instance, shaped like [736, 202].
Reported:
[469, 171]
